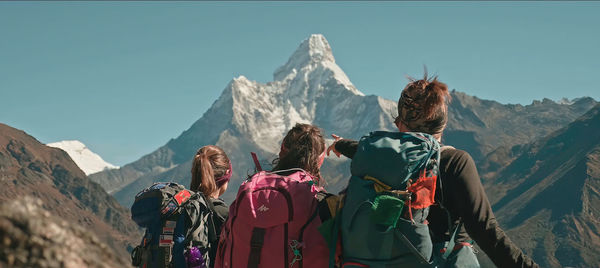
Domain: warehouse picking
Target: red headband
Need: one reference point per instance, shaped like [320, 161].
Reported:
[225, 178]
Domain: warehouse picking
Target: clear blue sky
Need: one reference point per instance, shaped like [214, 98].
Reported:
[125, 77]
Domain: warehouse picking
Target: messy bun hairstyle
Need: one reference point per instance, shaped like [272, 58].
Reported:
[210, 162]
[423, 105]
[301, 148]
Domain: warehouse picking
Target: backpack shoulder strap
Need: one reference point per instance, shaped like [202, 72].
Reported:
[450, 245]
[256, 244]
[328, 205]
[212, 234]
[453, 229]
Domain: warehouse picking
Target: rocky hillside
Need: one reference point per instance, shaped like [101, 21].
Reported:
[482, 126]
[549, 196]
[31, 169]
[34, 237]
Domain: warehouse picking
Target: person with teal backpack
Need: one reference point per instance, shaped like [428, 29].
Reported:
[412, 202]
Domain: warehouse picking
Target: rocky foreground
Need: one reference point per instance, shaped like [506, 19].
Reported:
[33, 237]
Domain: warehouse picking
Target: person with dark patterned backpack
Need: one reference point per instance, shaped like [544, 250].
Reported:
[182, 226]
[384, 223]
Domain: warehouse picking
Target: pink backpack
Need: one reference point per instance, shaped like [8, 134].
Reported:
[273, 223]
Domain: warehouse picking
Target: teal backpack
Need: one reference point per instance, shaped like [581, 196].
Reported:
[383, 219]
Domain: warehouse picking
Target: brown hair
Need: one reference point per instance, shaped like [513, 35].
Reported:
[210, 162]
[301, 148]
[423, 105]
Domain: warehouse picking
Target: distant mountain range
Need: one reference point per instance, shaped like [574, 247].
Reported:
[87, 160]
[482, 126]
[538, 161]
[310, 87]
[39, 180]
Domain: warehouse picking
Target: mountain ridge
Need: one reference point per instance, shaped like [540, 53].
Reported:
[548, 198]
[29, 168]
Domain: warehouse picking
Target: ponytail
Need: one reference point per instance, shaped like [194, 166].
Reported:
[210, 161]
[208, 184]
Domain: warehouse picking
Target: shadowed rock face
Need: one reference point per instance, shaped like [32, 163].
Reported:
[548, 198]
[31, 169]
[483, 127]
[33, 237]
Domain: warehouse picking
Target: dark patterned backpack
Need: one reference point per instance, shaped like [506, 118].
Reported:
[179, 227]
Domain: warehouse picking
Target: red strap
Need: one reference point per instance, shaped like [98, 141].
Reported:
[460, 245]
[354, 264]
[256, 163]
[410, 209]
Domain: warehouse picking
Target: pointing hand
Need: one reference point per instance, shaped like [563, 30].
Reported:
[331, 147]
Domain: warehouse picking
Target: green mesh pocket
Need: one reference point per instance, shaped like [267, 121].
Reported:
[386, 210]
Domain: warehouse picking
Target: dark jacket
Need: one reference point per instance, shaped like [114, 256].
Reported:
[220, 216]
[465, 198]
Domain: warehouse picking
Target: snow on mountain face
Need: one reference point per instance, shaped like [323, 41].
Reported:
[253, 117]
[87, 160]
[314, 59]
[265, 112]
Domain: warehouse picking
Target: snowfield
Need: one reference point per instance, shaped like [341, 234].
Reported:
[87, 160]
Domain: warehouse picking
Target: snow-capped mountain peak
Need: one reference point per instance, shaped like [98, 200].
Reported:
[251, 116]
[87, 160]
[313, 63]
[311, 51]
[265, 111]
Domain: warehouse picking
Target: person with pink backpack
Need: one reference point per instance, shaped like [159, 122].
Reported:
[274, 219]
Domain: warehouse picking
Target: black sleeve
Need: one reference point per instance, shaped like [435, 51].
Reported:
[471, 203]
[346, 147]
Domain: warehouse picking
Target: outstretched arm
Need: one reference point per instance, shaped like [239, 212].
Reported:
[343, 146]
[472, 205]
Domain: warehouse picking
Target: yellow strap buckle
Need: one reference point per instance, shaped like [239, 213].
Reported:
[382, 187]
